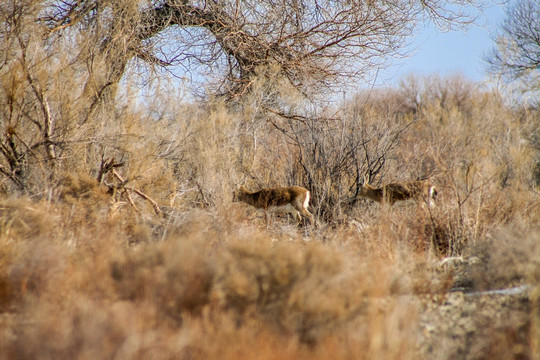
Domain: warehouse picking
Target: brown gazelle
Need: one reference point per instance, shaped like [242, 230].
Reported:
[293, 199]
[419, 190]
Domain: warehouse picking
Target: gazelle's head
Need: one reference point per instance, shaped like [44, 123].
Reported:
[370, 192]
[366, 188]
[432, 195]
[433, 192]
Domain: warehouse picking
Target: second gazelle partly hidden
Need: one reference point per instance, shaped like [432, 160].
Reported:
[292, 199]
[418, 190]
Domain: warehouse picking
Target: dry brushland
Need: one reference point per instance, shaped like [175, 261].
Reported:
[120, 236]
[138, 251]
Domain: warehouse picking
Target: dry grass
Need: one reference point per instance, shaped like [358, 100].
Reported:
[89, 270]
[202, 292]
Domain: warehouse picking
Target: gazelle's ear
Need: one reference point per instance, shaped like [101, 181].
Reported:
[366, 179]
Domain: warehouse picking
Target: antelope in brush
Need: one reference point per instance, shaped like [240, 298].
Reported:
[293, 199]
[419, 190]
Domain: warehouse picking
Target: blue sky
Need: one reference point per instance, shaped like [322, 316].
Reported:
[445, 53]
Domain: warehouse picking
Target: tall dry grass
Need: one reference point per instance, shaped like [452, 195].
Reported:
[201, 292]
[89, 269]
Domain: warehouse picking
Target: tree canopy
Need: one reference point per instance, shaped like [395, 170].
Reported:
[311, 44]
[516, 55]
[517, 51]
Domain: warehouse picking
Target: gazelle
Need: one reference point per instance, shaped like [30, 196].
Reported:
[419, 190]
[293, 199]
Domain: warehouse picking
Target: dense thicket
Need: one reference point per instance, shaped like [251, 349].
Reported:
[119, 237]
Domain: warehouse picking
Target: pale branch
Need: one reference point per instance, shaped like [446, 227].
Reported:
[136, 191]
[147, 198]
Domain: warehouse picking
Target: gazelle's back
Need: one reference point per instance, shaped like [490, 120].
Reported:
[390, 193]
[276, 196]
[293, 199]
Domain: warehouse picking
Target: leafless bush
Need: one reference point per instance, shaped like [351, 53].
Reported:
[331, 155]
[505, 261]
[27, 119]
[470, 155]
[435, 94]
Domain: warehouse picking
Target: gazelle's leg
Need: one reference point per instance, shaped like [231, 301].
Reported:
[310, 216]
[297, 216]
[306, 213]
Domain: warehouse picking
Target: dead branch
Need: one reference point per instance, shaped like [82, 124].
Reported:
[109, 166]
[147, 198]
[310, 46]
[106, 166]
[138, 192]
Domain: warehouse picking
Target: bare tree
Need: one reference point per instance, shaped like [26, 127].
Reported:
[517, 48]
[27, 124]
[61, 61]
[332, 155]
[310, 44]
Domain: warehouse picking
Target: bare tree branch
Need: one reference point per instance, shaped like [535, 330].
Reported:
[517, 47]
[311, 44]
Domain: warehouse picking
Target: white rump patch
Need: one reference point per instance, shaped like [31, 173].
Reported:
[306, 201]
